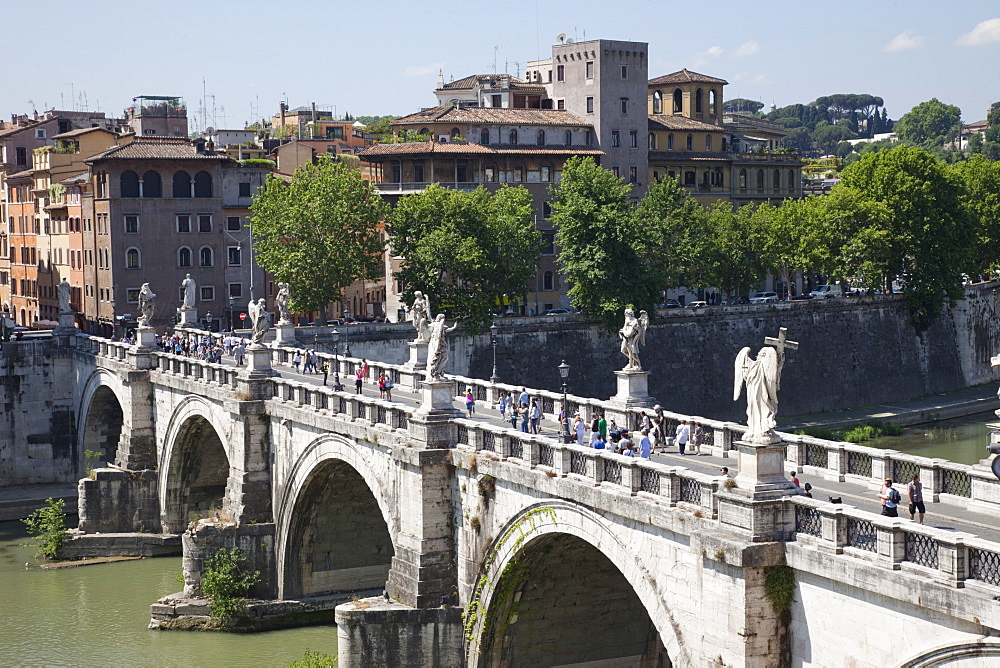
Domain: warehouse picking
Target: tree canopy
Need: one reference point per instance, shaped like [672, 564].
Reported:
[929, 123]
[319, 233]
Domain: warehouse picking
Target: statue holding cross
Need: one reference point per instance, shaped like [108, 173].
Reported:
[762, 377]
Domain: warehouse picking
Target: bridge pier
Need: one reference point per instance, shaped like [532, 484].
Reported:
[248, 488]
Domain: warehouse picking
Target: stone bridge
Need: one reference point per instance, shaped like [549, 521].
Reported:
[497, 547]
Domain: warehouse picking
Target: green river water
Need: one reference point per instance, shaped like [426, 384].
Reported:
[97, 615]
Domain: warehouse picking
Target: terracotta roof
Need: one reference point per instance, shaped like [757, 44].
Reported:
[685, 76]
[81, 131]
[20, 175]
[32, 125]
[147, 148]
[82, 176]
[490, 115]
[453, 148]
[659, 122]
[471, 81]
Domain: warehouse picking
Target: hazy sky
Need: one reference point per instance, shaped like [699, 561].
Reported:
[383, 57]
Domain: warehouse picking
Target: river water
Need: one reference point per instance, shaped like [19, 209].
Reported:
[97, 615]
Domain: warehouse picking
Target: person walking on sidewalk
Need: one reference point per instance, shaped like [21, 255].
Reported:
[470, 402]
[326, 370]
[890, 499]
[683, 434]
[915, 492]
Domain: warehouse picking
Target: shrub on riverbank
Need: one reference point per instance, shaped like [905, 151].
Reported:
[856, 434]
[48, 526]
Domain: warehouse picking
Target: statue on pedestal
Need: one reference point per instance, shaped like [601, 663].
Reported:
[281, 303]
[147, 304]
[632, 334]
[762, 377]
[421, 310]
[189, 293]
[64, 290]
[260, 319]
[437, 350]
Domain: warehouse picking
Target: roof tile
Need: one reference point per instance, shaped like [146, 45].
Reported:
[686, 76]
[492, 115]
[162, 148]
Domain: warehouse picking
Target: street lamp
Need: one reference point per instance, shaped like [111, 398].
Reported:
[337, 387]
[564, 374]
[347, 343]
[208, 319]
[232, 300]
[493, 341]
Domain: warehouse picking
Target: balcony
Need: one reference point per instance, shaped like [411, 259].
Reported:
[416, 187]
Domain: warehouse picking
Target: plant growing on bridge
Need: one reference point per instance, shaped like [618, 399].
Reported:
[227, 581]
[48, 525]
[313, 659]
[92, 457]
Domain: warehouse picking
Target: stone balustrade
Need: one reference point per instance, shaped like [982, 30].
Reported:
[352, 406]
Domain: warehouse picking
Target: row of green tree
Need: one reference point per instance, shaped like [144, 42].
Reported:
[899, 213]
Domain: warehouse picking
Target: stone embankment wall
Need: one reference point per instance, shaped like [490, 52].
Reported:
[38, 435]
[853, 352]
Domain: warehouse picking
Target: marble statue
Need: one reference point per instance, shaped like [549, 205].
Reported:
[260, 319]
[189, 289]
[437, 349]
[421, 310]
[147, 299]
[281, 302]
[762, 377]
[64, 289]
[632, 334]
[995, 362]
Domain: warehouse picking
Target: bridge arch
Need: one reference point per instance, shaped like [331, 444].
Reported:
[195, 463]
[548, 551]
[101, 417]
[334, 525]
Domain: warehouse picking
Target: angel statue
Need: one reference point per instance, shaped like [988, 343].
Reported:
[437, 350]
[281, 301]
[63, 291]
[632, 334]
[421, 313]
[147, 300]
[260, 319]
[762, 377]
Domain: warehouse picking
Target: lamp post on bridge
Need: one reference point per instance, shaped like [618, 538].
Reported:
[337, 387]
[564, 374]
[347, 342]
[493, 341]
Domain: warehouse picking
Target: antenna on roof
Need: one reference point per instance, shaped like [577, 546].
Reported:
[496, 47]
[561, 37]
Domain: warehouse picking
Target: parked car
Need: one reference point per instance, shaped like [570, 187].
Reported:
[670, 303]
[765, 298]
[698, 304]
[558, 311]
[827, 291]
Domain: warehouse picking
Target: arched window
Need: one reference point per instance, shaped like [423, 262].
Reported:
[540, 137]
[568, 138]
[718, 177]
[129, 184]
[202, 184]
[791, 180]
[670, 142]
[184, 257]
[697, 101]
[455, 133]
[708, 142]
[713, 101]
[743, 178]
[484, 137]
[690, 142]
[776, 180]
[205, 256]
[182, 184]
[678, 100]
[652, 141]
[132, 258]
[689, 177]
[760, 179]
[513, 136]
[424, 131]
[151, 185]
[547, 281]
[657, 101]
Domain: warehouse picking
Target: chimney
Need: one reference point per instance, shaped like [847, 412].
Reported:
[440, 79]
[199, 145]
[210, 146]
[314, 112]
[282, 107]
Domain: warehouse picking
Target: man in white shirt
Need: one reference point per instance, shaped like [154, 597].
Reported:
[682, 436]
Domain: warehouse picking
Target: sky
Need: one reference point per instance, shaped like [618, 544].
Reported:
[383, 58]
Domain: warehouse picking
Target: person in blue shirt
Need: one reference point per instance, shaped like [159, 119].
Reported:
[599, 443]
[645, 445]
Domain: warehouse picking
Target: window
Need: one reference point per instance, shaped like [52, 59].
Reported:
[490, 173]
[418, 171]
[678, 100]
[128, 183]
[540, 137]
[182, 184]
[233, 223]
[717, 178]
[131, 224]
[670, 142]
[236, 290]
[708, 142]
[689, 177]
[624, 104]
[184, 223]
[561, 105]
[633, 139]
[547, 281]
[616, 171]
[22, 155]
[776, 180]
[245, 189]
[202, 184]
[132, 258]
[184, 257]
[590, 105]
[208, 293]
[455, 134]
[791, 179]
[657, 101]
[132, 295]
[550, 76]
[204, 223]
[496, 101]
[713, 101]
[652, 141]
[152, 188]
[743, 179]
[633, 174]
[205, 258]
[519, 173]
[760, 179]
[335, 132]
[424, 131]
[484, 137]
[588, 138]
[39, 134]
[590, 69]
[546, 171]
[235, 256]
[512, 137]
[568, 138]
[690, 142]
[548, 242]
[624, 71]
[560, 73]
[697, 101]
[616, 139]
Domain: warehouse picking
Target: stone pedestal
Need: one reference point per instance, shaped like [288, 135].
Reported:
[431, 424]
[754, 507]
[259, 362]
[284, 334]
[67, 320]
[633, 392]
[375, 632]
[147, 337]
[762, 470]
[418, 355]
[189, 316]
